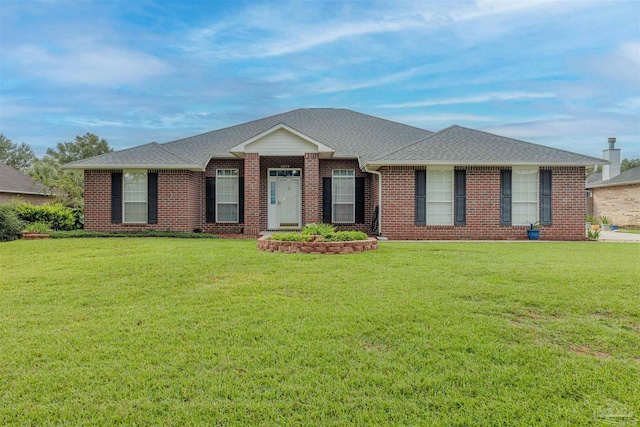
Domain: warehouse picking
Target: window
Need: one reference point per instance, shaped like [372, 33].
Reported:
[524, 204]
[344, 196]
[135, 197]
[227, 195]
[439, 196]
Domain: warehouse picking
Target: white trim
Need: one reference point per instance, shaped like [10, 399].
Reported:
[333, 203]
[451, 202]
[237, 203]
[376, 165]
[146, 201]
[324, 150]
[537, 197]
[275, 209]
[193, 168]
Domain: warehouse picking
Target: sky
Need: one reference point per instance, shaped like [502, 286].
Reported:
[565, 74]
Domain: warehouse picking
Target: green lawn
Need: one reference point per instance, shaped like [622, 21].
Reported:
[213, 332]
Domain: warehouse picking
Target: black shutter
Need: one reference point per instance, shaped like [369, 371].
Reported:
[241, 200]
[460, 191]
[326, 200]
[421, 197]
[360, 200]
[116, 197]
[152, 198]
[545, 197]
[505, 197]
[210, 199]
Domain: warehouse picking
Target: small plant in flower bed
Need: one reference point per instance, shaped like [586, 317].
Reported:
[291, 237]
[345, 236]
[324, 230]
[144, 233]
[40, 227]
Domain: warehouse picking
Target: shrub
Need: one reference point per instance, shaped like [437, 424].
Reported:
[324, 230]
[10, 224]
[78, 218]
[59, 216]
[291, 237]
[346, 236]
[39, 227]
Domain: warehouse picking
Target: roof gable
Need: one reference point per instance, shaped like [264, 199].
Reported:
[281, 140]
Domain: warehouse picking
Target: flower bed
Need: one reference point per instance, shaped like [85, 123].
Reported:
[34, 235]
[264, 244]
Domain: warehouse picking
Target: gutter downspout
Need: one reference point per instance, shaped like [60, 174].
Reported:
[379, 196]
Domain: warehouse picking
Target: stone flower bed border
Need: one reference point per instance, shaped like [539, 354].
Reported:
[34, 235]
[264, 244]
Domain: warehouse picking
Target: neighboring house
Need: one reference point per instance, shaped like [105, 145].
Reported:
[15, 184]
[614, 194]
[342, 167]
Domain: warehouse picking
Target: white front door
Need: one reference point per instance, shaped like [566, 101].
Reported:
[283, 198]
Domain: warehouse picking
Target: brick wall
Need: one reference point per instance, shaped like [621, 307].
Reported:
[483, 207]
[210, 172]
[326, 171]
[34, 199]
[621, 204]
[179, 201]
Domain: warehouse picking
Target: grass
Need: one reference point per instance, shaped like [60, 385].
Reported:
[213, 332]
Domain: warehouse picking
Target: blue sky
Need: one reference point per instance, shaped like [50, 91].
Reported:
[559, 73]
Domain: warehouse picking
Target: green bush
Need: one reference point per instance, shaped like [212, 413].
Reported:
[39, 226]
[291, 237]
[324, 230]
[346, 236]
[60, 217]
[10, 224]
[144, 233]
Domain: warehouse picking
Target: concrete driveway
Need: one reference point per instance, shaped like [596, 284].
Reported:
[615, 236]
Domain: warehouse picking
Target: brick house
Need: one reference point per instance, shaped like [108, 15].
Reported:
[614, 194]
[18, 185]
[338, 166]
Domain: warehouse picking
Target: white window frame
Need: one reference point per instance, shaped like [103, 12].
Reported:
[446, 197]
[338, 175]
[129, 195]
[520, 198]
[220, 176]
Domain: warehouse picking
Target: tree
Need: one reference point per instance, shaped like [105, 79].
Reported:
[629, 164]
[20, 156]
[85, 146]
[67, 185]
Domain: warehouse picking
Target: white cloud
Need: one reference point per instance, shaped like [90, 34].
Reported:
[94, 65]
[496, 96]
[333, 86]
[626, 106]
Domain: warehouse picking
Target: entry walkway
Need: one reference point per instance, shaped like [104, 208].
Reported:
[616, 236]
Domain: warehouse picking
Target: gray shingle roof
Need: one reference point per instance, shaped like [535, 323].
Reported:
[630, 176]
[14, 181]
[351, 135]
[457, 145]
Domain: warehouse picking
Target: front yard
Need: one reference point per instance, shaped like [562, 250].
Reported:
[214, 332]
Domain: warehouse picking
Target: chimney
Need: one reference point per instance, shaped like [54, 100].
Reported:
[612, 155]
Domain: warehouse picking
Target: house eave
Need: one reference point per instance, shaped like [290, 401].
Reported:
[195, 168]
[374, 165]
[612, 184]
